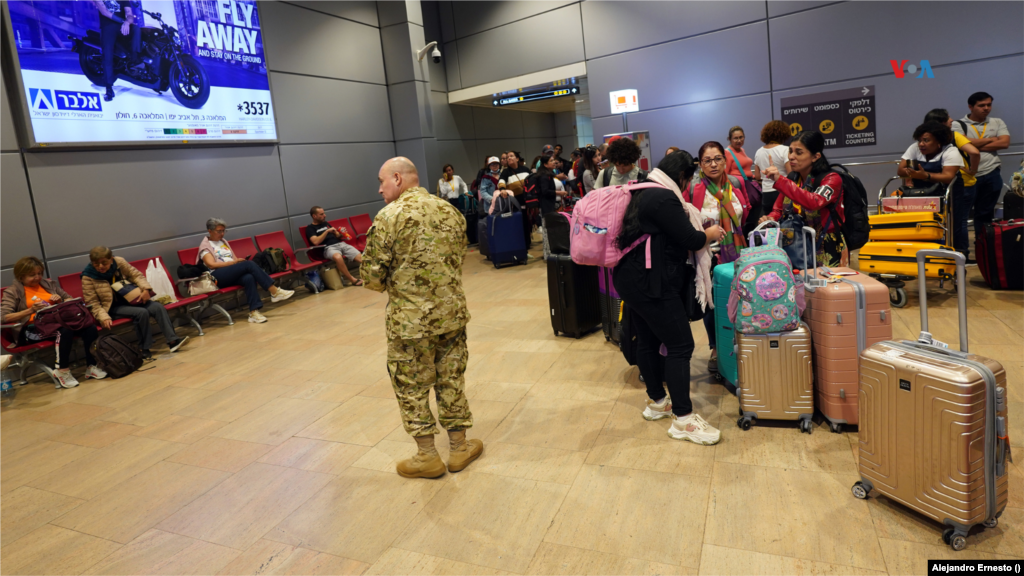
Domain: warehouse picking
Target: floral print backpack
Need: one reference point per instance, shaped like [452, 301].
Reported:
[766, 297]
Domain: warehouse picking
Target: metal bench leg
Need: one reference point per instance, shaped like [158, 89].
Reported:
[49, 372]
[219, 308]
[196, 323]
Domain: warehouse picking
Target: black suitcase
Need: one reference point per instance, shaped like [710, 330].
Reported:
[481, 236]
[572, 296]
[556, 230]
[1013, 206]
[627, 336]
[610, 305]
[472, 227]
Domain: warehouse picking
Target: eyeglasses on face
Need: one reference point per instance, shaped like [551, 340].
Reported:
[712, 161]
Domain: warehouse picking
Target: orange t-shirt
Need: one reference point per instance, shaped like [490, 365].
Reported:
[33, 295]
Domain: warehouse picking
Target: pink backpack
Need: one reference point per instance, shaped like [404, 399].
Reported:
[596, 223]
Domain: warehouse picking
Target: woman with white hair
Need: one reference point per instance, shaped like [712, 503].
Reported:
[229, 270]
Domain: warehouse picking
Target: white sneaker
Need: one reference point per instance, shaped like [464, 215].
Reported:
[65, 379]
[695, 429]
[95, 373]
[282, 294]
[658, 410]
[256, 318]
[181, 342]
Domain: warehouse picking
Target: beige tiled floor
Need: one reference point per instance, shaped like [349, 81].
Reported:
[282, 460]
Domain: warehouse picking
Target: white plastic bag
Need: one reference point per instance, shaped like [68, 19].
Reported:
[157, 278]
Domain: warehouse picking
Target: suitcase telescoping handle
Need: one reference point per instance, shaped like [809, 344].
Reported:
[814, 282]
[961, 291]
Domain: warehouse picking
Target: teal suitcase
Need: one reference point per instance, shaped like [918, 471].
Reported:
[726, 342]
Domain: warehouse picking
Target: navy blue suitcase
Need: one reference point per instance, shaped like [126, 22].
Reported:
[505, 238]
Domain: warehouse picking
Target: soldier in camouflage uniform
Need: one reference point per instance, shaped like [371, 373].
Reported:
[414, 250]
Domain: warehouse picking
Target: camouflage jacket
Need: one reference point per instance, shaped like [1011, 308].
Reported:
[414, 250]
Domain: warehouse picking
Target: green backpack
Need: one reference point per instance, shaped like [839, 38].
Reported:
[765, 295]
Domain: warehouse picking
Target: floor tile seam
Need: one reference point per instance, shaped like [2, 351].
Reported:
[189, 536]
[944, 547]
[770, 467]
[618, 555]
[708, 477]
[226, 422]
[797, 557]
[499, 475]
[97, 563]
[449, 559]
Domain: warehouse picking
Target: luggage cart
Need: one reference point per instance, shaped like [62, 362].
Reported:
[896, 279]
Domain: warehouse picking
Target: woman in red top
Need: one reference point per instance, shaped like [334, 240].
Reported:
[736, 153]
[815, 192]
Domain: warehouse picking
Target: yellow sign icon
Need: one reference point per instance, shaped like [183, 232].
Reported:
[795, 129]
[827, 126]
[860, 122]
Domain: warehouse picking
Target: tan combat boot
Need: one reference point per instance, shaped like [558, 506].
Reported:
[425, 464]
[462, 451]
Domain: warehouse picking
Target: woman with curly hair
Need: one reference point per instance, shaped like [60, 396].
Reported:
[773, 153]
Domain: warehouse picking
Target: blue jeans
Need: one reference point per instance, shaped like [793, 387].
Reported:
[963, 199]
[248, 275]
[986, 195]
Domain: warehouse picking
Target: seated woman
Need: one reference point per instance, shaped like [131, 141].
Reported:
[816, 193]
[29, 294]
[932, 158]
[651, 282]
[218, 257]
[104, 283]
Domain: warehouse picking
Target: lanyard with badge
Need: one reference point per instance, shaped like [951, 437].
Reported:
[984, 128]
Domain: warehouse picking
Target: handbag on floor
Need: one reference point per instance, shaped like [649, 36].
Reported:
[331, 279]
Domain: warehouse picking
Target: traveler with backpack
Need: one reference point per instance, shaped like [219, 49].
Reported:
[320, 233]
[547, 189]
[815, 192]
[229, 270]
[31, 293]
[963, 187]
[737, 162]
[489, 183]
[623, 154]
[112, 288]
[652, 280]
[722, 202]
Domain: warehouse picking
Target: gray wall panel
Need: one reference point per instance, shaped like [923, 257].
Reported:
[546, 41]
[81, 203]
[365, 12]
[533, 146]
[495, 146]
[307, 42]
[8, 134]
[332, 175]
[6, 277]
[16, 218]
[564, 122]
[416, 151]
[902, 103]
[474, 17]
[799, 57]
[309, 110]
[410, 110]
[538, 125]
[663, 79]
[451, 121]
[691, 125]
[445, 12]
[392, 12]
[166, 249]
[450, 58]
[432, 33]
[783, 7]
[662, 21]
[462, 155]
[400, 42]
[494, 123]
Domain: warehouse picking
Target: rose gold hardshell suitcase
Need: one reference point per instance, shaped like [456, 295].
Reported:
[933, 431]
[846, 315]
[775, 377]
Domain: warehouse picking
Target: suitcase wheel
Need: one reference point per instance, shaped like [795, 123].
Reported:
[718, 377]
[745, 422]
[956, 540]
[860, 491]
[991, 523]
[897, 297]
[835, 427]
[806, 426]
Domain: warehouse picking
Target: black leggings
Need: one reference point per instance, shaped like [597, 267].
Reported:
[665, 322]
[65, 340]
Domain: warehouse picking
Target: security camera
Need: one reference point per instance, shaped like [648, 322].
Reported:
[436, 54]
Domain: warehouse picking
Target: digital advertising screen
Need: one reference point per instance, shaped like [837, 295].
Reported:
[142, 71]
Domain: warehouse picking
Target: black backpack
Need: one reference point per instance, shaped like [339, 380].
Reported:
[265, 262]
[855, 206]
[115, 356]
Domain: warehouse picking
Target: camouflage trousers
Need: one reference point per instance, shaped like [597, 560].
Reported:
[438, 362]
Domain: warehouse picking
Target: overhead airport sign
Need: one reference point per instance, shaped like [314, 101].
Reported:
[544, 95]
[846, 118]
[623, 101]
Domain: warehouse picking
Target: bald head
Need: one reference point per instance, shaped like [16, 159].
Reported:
[396, 176]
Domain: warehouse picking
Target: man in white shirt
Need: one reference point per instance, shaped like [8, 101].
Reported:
[988, 135]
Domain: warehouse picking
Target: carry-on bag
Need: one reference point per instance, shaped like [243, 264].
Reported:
[556, 233]
[899, 258]
[505, 238]
[572, 296]
[933, 424]
[775, 377]
[725, 337]
[846, 315]
[999, 251]
[331, 278]
[115, 356]
[481, 236]
[610, 303]
[472, 227]
[914, 226]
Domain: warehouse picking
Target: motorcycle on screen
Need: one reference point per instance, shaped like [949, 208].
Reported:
[165, 64]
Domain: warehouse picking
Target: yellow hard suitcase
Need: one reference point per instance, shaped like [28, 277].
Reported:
[911, 226]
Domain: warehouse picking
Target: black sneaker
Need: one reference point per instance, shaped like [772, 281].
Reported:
[147, 355]
[971, 262]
